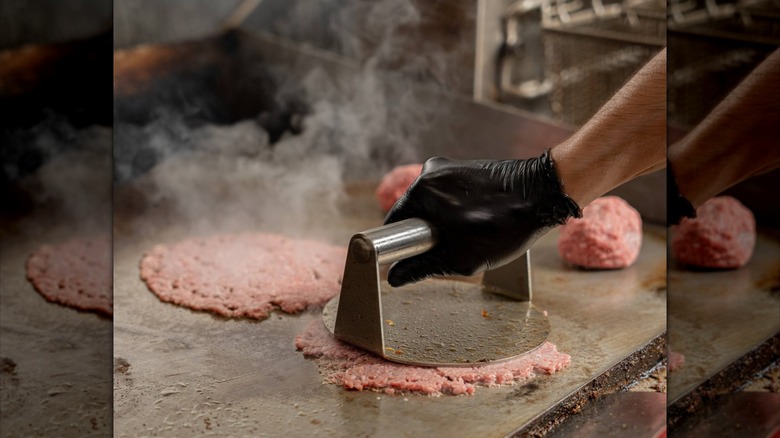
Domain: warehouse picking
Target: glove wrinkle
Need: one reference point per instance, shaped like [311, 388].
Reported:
[486, 213]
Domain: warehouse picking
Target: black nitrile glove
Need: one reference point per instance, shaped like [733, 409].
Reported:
[485, 214]
[678, 205]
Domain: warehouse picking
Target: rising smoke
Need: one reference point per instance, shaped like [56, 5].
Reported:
[67, 183]
[360, 123]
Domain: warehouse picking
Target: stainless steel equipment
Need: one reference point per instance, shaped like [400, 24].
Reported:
[436, 322]
[564, 58]
[716, 44]
[726, 325]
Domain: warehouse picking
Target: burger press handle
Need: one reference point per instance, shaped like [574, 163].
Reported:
[359, 316]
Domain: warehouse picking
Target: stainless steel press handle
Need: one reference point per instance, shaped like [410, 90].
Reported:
[393, 242]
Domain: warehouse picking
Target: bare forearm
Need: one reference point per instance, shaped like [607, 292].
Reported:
[625, 139]
[737, 140]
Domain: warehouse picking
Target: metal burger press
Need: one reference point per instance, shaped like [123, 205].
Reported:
[434, 322]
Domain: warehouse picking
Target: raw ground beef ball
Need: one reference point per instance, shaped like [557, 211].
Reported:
[356, 369]
[608, 236]
[395, 183]
[722, 235]
[245, 275]
[76, 273]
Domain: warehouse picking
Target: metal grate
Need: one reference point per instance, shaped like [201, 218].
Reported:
[714, 49]
[590, 56]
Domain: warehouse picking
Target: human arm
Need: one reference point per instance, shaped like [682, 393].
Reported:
[486, 213]
[737, 140]
[625, 139]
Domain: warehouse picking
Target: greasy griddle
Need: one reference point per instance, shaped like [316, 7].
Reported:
[59, 357]
[718, 319]
[193, 372]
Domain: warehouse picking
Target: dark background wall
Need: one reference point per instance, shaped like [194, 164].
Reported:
[48, 21]
[431, 39]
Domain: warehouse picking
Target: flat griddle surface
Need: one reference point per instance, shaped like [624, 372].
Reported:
[60, 385]
[192, 372]
[717, 317]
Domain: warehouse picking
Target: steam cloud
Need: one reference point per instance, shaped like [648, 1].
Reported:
[71, 190]
[215, 178]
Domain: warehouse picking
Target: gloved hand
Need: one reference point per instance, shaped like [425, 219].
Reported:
[485, 213]
[678, 205]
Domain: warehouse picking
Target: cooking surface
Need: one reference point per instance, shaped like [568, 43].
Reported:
[192, 371]
[717, 317]
[59, 357]
[451, 323]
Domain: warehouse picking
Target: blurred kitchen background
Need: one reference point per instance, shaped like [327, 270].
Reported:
[561, 59]
[552, 63]
[464, 79]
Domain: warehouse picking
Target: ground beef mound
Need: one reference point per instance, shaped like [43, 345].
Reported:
[76, 273]
[722, 235]
[608, 236]
[356, 369]
[245, 275]
[395, 183]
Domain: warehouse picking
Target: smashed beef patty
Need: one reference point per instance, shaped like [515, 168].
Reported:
[356, 369]
[76, 273]
[245, 275]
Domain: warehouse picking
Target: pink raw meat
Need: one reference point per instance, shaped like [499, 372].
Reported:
[76, 273]
[356, 369]
[675, 360]
[608, 236]
[245, 275]
[395, 183]
[722, 235]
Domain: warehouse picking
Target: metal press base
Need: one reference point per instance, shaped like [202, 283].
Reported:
[453, 323]
[434, 322]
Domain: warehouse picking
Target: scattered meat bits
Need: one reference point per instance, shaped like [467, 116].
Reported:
[675, 361]
[356, 369]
